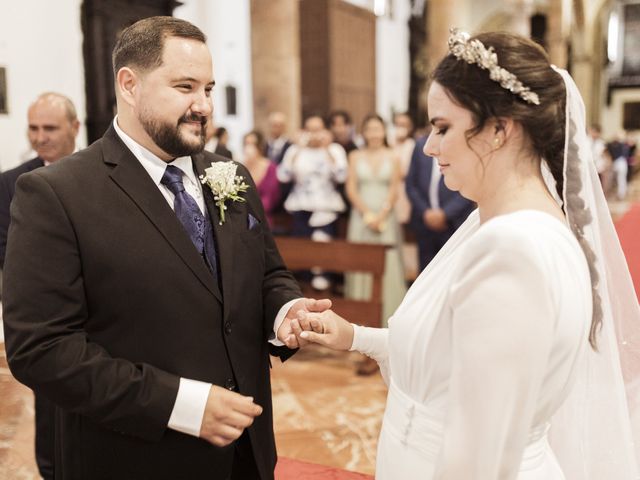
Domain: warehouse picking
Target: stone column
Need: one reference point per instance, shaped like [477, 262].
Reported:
[441, 16]
[556, 33]
[521, 11]
[275, 55]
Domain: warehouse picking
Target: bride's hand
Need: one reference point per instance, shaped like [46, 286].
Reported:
[326, 328]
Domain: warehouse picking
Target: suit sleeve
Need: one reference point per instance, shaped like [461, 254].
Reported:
[278, 286]
[5, 217]
[502, 331]
[45, 312]
[417, 197]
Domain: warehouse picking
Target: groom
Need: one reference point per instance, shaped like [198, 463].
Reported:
[131, 304]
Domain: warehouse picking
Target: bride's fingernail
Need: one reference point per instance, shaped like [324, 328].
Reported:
[304, 334]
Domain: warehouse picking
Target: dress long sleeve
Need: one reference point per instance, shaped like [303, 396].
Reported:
[374, 343]
[502, 333]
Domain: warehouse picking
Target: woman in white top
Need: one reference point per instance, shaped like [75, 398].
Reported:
[315, 166]
[494, 344]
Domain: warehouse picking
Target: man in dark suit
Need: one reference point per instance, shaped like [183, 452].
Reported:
[436, 211]
[277, 142]
[52, 131]
[145, 314]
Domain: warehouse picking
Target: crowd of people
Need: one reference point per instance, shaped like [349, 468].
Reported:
[615, 161]
[328, 182]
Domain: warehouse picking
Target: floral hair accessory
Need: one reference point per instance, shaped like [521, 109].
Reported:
[474, 51]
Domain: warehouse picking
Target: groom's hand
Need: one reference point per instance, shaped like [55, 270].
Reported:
[226, 415]
[286, 333]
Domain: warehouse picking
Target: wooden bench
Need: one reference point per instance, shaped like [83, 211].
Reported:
[340, 256]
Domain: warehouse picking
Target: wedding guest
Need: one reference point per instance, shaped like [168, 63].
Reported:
[502, 361]
[52, 130]
[315, 166]
[277, 141]
[341, 127]
[403, 145]
[619, 151]
[262, 170]
[218, 143]
[436, 210]
[372, 188]
[599, 152]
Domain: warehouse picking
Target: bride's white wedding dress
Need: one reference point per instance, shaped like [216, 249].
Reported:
[482, 352]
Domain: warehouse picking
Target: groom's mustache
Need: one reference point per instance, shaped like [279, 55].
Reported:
[193, 117]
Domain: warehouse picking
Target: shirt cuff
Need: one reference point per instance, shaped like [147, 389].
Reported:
[273, 338]
[188, 411]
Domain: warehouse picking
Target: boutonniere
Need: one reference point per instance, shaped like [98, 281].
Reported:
[225, 184]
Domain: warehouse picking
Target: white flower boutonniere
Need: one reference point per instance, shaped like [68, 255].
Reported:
[225, 184]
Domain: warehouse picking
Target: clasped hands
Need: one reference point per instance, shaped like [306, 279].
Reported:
[228, 413]
[313, 321]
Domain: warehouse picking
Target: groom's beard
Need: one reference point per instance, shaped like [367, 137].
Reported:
[169, 138]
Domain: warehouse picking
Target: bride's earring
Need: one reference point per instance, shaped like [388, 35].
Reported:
[496, 143]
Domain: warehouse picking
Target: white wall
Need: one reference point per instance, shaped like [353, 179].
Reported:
[392, 61]
[228, 29]
[41, 48]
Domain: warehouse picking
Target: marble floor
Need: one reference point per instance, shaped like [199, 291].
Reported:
[16, 427]
[324, 414]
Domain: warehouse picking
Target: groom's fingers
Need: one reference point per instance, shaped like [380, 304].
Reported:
[314, 305]
[220, 441]
[317, 326]
[297, 330]
[230, 433]
[240, 420]
[301, 323]
[315, 337]
[245, 406]
[226, 416]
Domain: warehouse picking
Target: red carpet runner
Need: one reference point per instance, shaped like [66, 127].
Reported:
[288, 469]
[628, 228]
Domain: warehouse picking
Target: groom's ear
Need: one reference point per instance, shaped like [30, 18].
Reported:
[127, 83]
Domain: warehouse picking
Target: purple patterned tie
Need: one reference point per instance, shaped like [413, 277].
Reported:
[194, 222]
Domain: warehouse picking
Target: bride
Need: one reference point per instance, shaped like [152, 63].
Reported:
[502, 361]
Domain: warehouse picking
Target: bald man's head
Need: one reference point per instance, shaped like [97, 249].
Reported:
[53, 126]
[277, 124]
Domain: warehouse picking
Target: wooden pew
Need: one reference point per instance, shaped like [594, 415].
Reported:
[340, 256]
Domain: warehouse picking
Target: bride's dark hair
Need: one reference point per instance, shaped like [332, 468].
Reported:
[471, 87]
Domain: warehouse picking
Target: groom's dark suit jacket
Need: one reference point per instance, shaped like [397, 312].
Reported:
[107, 304]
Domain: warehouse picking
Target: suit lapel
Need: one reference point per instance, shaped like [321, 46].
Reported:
[223, 233]
[133, 179]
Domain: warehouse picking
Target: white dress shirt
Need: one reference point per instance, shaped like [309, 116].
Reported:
[188, 410]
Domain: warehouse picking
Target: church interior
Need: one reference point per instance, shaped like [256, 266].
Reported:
[300, 58]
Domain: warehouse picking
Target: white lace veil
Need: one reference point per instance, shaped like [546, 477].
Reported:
[593, 432]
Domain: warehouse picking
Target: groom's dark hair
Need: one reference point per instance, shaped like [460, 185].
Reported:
[140, 45]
